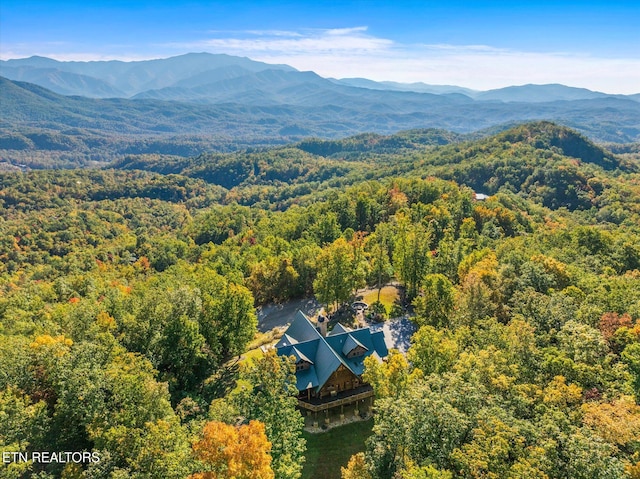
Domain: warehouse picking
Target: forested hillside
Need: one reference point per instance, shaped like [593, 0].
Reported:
[74, 114]
[127, 296]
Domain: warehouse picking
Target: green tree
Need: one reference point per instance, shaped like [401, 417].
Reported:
[411, 254]
[228, 318]
[273, 280]
[425, 472]
[24, 427]
[435, 302]
[587, 456]
[267, 393]
[341, 269]
[582, 343]
[433, 350]
[379, 245]
[390, 378]
[497, 443]
[631, 356]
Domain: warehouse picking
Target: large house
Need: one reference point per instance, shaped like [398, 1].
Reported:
[329, 366]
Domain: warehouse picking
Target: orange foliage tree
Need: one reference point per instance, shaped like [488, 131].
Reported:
[231, 452]
[611, 322]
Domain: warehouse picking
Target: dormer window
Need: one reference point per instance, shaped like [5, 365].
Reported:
[302, 362]
[357, 351]
[302, 365]
[353, 348]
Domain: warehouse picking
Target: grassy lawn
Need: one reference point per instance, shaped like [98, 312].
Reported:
[388, 296]
[261, 339]
[328, 451]
[252, 355]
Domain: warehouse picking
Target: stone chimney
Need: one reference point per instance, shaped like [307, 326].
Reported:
[322, 325]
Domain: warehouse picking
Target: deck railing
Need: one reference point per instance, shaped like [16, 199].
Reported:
[329, 404]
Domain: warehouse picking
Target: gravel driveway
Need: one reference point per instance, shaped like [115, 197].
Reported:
[397, 332]
[273, 316]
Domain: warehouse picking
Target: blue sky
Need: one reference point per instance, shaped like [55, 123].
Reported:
[479, 45]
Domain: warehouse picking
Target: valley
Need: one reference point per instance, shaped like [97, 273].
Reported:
[129, 288]
[67, 114]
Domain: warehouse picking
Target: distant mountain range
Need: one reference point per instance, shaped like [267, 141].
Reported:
[523, 93]
[109, 79]
[206, 77]
[202, 101]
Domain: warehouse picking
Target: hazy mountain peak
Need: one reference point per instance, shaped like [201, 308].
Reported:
[533, 93]
[144, 78]
[417, 87]
[109, 78]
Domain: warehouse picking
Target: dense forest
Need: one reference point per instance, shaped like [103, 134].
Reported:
[128, 295]
[77, 114]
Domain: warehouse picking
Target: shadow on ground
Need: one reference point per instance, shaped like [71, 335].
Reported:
[272, 316]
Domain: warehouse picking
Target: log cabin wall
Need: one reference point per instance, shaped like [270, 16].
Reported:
[341, 380]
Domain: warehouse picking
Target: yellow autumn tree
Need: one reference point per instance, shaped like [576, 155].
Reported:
[232, 452]
[392, 377]
[356, 469]
[617, 422]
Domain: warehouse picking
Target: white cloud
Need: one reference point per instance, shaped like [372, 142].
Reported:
[354, 52]
[337, 41]
[275, 33]
[346, 31]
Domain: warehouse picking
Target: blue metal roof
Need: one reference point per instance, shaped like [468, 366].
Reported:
[350, 344]
[286, 340]
[338, 329]
[300, 356]
[325, 355]
[377, 339]
[301, 329]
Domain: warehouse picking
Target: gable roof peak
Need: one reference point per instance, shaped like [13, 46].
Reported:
[350, 344]
[339, 329]
[300, 356]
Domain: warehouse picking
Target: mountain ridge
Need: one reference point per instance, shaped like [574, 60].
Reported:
[604, 119]
[116, 78]
[136, 76]
[264, 106]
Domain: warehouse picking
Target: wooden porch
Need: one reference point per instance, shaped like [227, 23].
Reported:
[342, 398]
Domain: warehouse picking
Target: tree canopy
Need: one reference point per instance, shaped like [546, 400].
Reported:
[127, 306]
